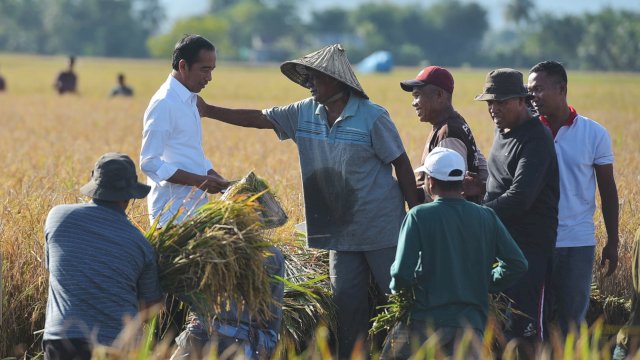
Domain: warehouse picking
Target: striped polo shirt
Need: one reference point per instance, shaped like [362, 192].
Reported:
[352, 201]
[100, 267]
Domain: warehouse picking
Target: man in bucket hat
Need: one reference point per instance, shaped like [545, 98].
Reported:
[102, 270]
[451, 241]
[348, 147]
[523, 189]
[432, 91]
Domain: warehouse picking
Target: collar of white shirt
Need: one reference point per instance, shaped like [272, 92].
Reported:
[183, 93]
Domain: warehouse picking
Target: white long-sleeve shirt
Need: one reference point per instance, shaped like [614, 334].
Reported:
[172, 140]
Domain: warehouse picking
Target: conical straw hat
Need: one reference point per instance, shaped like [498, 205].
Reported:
[330, 60]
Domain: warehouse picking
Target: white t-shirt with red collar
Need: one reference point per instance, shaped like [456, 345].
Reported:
[580, 144]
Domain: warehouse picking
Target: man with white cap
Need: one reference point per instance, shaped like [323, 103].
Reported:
[432, 92]
[445, 257]
[102, 270]
[348, 147]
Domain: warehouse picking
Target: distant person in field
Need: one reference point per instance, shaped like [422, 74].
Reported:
[180, 176]
[454, 244]
[348, 147]
[628, 338]
[432, 91]
[585, 156]
[102, 270]
[67, 80]
[523, 189]
[3, 84]
[121, 89]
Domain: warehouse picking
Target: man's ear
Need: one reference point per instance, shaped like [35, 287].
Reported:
[563, 88]
[182, 65]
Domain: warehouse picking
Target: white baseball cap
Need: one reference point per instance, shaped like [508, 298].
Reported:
[444, 164]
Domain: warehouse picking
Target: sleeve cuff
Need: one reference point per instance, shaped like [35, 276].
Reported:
[165, 172]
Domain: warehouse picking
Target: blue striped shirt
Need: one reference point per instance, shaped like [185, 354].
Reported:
[352, 201]
[100, 267]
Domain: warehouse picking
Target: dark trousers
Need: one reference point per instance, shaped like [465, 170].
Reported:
[525, 324]
[66, 349]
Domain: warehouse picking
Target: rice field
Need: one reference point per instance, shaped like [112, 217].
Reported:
[49, 143]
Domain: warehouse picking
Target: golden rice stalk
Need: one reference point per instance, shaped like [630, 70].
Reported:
[214, 257]
[270, 213]
[307, 297]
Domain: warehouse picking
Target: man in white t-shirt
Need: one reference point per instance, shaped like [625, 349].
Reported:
[585, 157]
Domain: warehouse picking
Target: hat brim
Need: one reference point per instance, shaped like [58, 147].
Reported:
[297, 72]
[137, 191]
[501, 97]
[408, 85]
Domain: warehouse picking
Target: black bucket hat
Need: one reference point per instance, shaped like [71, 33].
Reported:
[114, 179]
[503, 84]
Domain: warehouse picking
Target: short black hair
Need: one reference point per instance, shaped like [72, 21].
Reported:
[552, 68]
[188, 49]
[448, 185]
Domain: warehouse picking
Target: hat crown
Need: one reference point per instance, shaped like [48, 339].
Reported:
[503, 84]
[114, 171]
[331, 60]
[114, 178]
[445, 164]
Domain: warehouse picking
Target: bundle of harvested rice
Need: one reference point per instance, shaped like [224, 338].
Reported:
[215, 256]
[307, 297]
[396, 310]
[271, 214]
[399, 304]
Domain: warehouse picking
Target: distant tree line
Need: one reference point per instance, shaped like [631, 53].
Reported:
[449, 32]
[117, 28]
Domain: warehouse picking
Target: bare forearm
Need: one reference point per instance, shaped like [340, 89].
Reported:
[239, 117]
[182, 177]
[211, 183]
[609, 200]
[406, 180]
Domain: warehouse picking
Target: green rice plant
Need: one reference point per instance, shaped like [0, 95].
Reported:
[396, 310]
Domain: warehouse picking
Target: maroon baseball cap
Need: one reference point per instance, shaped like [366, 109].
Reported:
[431, 75]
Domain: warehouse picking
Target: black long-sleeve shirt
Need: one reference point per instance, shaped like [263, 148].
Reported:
[523, 185]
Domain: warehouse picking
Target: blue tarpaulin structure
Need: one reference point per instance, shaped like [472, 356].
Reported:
[379, 61]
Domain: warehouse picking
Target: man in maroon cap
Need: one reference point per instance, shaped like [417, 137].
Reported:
[432, 91]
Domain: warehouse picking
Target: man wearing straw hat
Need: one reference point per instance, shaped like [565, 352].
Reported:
[523, 189]
[102, 269]
[348, 147]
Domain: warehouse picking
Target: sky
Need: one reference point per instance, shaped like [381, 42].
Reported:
[181, 8]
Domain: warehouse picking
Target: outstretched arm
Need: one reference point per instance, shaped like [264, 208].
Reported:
[239, 117]
[609, 201]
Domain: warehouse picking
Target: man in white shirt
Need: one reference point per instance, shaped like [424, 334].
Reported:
[172, 157]
[585, 156]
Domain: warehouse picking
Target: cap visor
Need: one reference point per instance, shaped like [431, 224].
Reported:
[408, 85]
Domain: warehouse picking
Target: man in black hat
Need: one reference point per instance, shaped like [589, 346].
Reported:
[348, 147]
[102, 270]
[523, 189]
